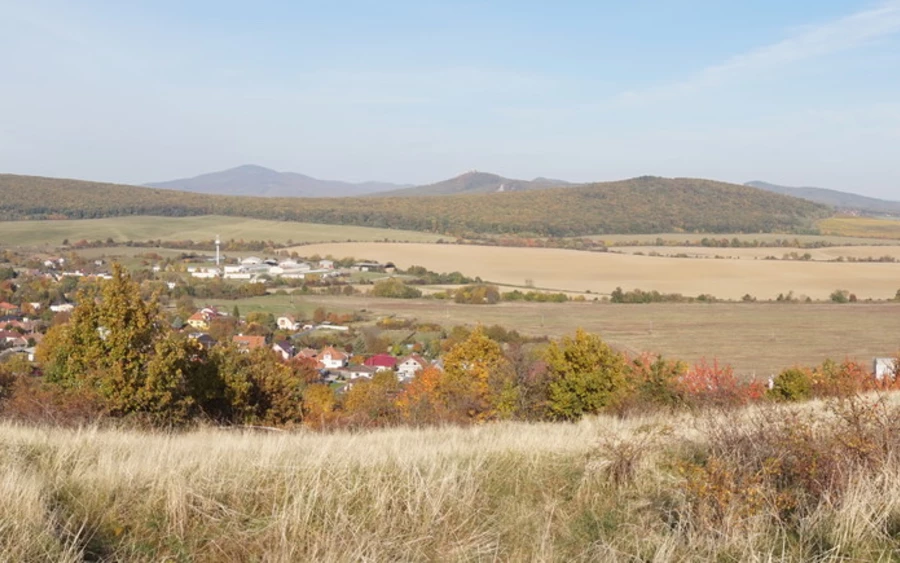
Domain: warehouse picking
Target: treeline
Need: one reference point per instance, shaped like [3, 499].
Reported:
[640, 205]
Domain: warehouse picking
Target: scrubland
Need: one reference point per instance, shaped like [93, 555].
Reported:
[816, 481]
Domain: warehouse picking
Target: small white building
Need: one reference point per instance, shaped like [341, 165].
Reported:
[287, 322]
[884, 367]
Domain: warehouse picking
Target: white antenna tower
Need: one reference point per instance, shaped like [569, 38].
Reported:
[218, 242]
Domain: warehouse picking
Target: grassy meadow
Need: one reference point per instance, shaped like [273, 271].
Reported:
[869, 227]
[572, 270]
[762, 484]
[141, 228]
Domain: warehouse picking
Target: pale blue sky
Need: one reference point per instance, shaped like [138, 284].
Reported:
[799, 93]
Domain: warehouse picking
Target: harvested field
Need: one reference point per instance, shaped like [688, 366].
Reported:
[817, 254]
[572, 270]
[756, 338]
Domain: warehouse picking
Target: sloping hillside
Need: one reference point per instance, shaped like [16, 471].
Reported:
[259, 181]
[475, 183]
[640, 205]
[834, 198]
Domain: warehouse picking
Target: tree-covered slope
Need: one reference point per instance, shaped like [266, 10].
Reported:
[640, 205]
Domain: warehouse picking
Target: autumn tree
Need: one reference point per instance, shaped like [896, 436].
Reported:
[587, 375]
[477, 382]
[116, 344]
[373, 402]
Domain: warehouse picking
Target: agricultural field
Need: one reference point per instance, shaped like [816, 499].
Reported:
[861, 227]
[868, 252]
[601, 273]
[141, 228]
[687, 239]
[757, 339]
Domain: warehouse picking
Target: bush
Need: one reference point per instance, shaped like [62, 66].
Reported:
[394, 288]
[794, 384]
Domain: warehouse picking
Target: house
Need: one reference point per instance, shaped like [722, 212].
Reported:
[62, 308]
[287, 322]
[330, 358]
[201, 319]
[356, 372]
[13, 339]
[410, 365]
[284, 349]
[247, 343]
[381, 362]
[307, 353]
[198, 321]
[884, 367]
[251, 261]
[368, 267]
[8, 308]
[326, 264]
[203, 339]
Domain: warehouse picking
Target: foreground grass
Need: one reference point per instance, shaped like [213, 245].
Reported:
[604, 489]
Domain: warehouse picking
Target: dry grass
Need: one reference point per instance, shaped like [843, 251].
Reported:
[603, 489]
[817, 254]
[52, 233]
[602, 272]
[757, 339]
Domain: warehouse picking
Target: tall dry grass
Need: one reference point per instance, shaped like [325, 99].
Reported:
[604, 489]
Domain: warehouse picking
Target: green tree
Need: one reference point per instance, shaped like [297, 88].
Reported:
[792, 384]
[117, 345]
[587, 375]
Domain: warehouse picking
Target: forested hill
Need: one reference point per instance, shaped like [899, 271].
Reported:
[640, 205]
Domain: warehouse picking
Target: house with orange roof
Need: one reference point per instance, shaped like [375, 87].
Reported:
[247, 343]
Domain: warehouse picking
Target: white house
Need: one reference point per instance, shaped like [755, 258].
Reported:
[287, 322]
[326, 264]
[251, 261]
[62, 308]
[330, 358]
[884, 367]
[410, 365]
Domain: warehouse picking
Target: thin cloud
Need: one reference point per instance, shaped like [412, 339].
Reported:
[807, 43]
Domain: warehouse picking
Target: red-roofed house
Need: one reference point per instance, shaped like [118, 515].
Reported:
[8, 308]
[247, 343]
[381, 362]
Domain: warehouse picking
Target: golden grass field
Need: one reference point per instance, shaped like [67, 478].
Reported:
[757, 339]
[572, 270]
[861, 227]
[38, 233]
[666, 487]
[818, 254]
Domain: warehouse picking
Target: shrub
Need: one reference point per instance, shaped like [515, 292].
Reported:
[793, 384]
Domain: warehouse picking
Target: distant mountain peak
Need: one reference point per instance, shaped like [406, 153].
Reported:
[834, 198]
[256, 180]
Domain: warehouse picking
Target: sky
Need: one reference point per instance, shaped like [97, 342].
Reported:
[800, 93]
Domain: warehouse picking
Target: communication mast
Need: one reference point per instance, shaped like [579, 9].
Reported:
[218, 242]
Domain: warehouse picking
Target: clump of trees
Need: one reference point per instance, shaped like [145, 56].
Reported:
[395, 288]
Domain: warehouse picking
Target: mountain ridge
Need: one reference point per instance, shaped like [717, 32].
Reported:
[840, 200]
[640, 205]
[255, 180]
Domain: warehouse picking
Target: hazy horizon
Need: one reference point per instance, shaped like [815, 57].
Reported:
[795, 94]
